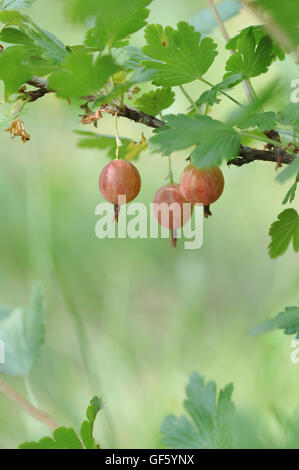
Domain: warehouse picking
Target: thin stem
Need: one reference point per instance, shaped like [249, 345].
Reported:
[170, 170]
[220, 91]
[30, 392]
[193, 104]
[246, 85]
[219, 20]
[254, 94]
[173, 238]
[44, 418]
[117, 138]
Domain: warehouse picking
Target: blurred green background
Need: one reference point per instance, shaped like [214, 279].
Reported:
[130, 319]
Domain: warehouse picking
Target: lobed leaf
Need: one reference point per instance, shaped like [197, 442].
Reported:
[63, 438]
[212, 423]
[155, 101]
[86, 431]
[283, 231]
[178, 56]
[259, 31]
[81, 75]
[213, 139]
[288, 320]
[115, 21]
[67, 438]
[264, 121]
[252, 57]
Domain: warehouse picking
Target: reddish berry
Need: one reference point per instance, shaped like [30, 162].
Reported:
[171, 217]
[202, 185]
[119, 178]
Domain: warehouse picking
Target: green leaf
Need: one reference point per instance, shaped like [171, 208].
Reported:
[15, 4]
[212, 423]
[12, 17]
[290, 196]
[289, 116]
[252, 58]
[288, 320]
[86, 432]
[12, 76]
[47, 45]
[116, 20]
[81, 76]
[283, 231]
[102, 142]
[285, 18]
[43, 43]
[155, 101]
[205, 22]
[178, 56]
[259, 32]
[213, 139]
[23, 333]
[67, 438]
[289, 172]
[264, 121]
[211, 96]
[63, 438]
[14, 36]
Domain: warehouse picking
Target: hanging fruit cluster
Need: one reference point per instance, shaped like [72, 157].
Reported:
[197, 186]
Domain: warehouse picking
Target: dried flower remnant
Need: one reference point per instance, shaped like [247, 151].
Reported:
[90, 117]
[17, 129]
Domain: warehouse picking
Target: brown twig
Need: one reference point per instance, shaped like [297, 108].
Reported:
[26, 406]
[248, 155]
[133, 115]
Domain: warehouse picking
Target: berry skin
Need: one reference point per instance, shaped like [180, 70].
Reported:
[119, 178]
[169, 194]
[202, 185]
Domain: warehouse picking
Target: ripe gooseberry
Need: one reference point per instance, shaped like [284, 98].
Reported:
[119, 178]
[202, 185]
[169, 215]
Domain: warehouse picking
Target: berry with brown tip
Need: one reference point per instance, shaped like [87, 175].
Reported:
[168, 214]
[119, 178]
